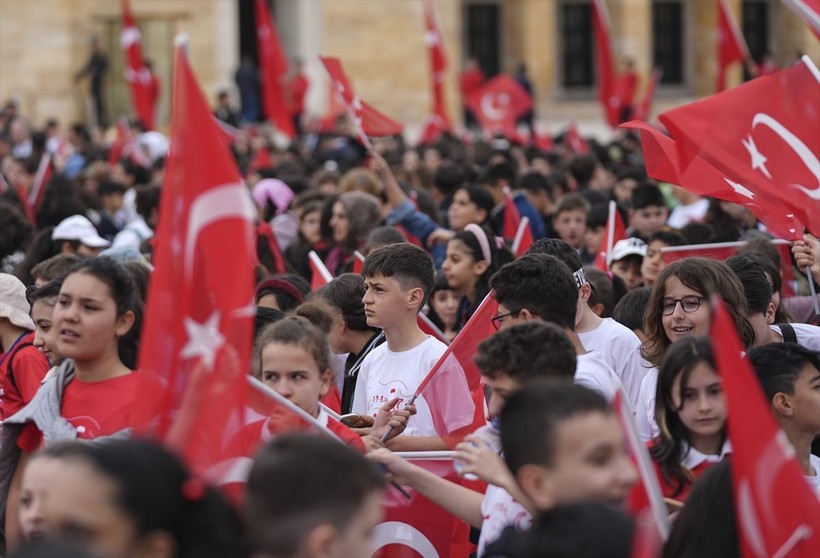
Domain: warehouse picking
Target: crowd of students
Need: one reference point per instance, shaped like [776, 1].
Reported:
[429, 222]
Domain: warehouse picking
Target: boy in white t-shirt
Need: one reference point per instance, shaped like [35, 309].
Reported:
[540, 287]
[398, 281]
[790, 376]
[511, 360]
[616, 345]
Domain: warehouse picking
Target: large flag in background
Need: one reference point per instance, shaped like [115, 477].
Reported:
[498, 104]
[776, 512]
[808, 11]
[438, 60]
[452, 388]
[662, 163]
[199, 317]
[605, 63]
[273, 65]
[763, 136]
[731, 47]
[615, 230]
[136, 72]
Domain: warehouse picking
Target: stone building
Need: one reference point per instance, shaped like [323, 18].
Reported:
[44, 42]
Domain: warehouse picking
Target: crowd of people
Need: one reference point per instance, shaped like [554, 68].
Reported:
[429, 222]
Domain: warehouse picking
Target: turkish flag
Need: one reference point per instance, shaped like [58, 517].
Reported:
[419, 527]
[605, 64]
[615, 230]
[366, 119]
[136, 72]
[319, 274]
[126, 146]
[431, 129]
[438, 60]
[523, 238]
[731, 47]
[198, 330]
[498, 104]
[452, 388]
[808, 11]
[575, 140]
[777, 514]
[45, 170]
[428, 327]
[644, 108]
[763, 136]
[512, 217]
[662, 162]
[647, 491]
[541, 141]
[273, 65]
[358, 261]
[265, 230]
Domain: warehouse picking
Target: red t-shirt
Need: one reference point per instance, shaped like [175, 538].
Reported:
[29, 366]
[94, 408]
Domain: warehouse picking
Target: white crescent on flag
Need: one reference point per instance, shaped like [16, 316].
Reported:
[218, 204]
[396, 532]
[495, 105]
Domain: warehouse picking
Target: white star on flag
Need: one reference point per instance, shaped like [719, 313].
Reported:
[204, 340]
[740, 189]
[758, 159]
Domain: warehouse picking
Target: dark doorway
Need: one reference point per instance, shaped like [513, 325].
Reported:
[483, 36]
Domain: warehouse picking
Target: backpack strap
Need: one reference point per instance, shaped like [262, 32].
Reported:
[788, 333]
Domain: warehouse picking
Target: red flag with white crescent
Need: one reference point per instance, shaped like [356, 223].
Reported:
[776, 512]
[731, 46]
[605, 63]
[195, 348]
[763, 137]
[498, 104]
[273, 65]
[136, 72]
[438, 60]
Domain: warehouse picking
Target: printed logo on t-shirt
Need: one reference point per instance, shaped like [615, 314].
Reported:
[388, 391]
[86, 426]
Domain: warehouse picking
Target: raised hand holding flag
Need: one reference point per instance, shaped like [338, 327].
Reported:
[775, 510]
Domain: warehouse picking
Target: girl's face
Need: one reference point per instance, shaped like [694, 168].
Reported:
[33, 491]
[689, 311]
[652, 263]
[462, 211]
[85, 319]
[701, 405]
[81, 505]
[310, 226]
[461, 269]
[45, 336]
[292, 372]
[445, 303]
[339, 222]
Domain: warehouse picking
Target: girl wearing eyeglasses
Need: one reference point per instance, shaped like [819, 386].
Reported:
[679, 307]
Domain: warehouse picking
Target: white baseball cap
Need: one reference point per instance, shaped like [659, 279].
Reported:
[628, 247]
[79, 228]
[13, 302]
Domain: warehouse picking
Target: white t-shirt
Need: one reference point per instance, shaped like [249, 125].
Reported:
[621, 349]
[499, 510]
[593, 373]
[645, 411]
[682, 215]
[807, 335]
[814, 481]
[385, 374]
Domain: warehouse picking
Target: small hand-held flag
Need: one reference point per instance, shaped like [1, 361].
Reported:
[776, 512]
[614, 231]
[320, 275]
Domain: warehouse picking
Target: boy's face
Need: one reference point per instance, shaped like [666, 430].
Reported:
[385, 302]
[498, 390]
[571, 226]
[593, 239]
[806, 400]
[590, 461]
[357, 538]
[629, 269]
[648, 220]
